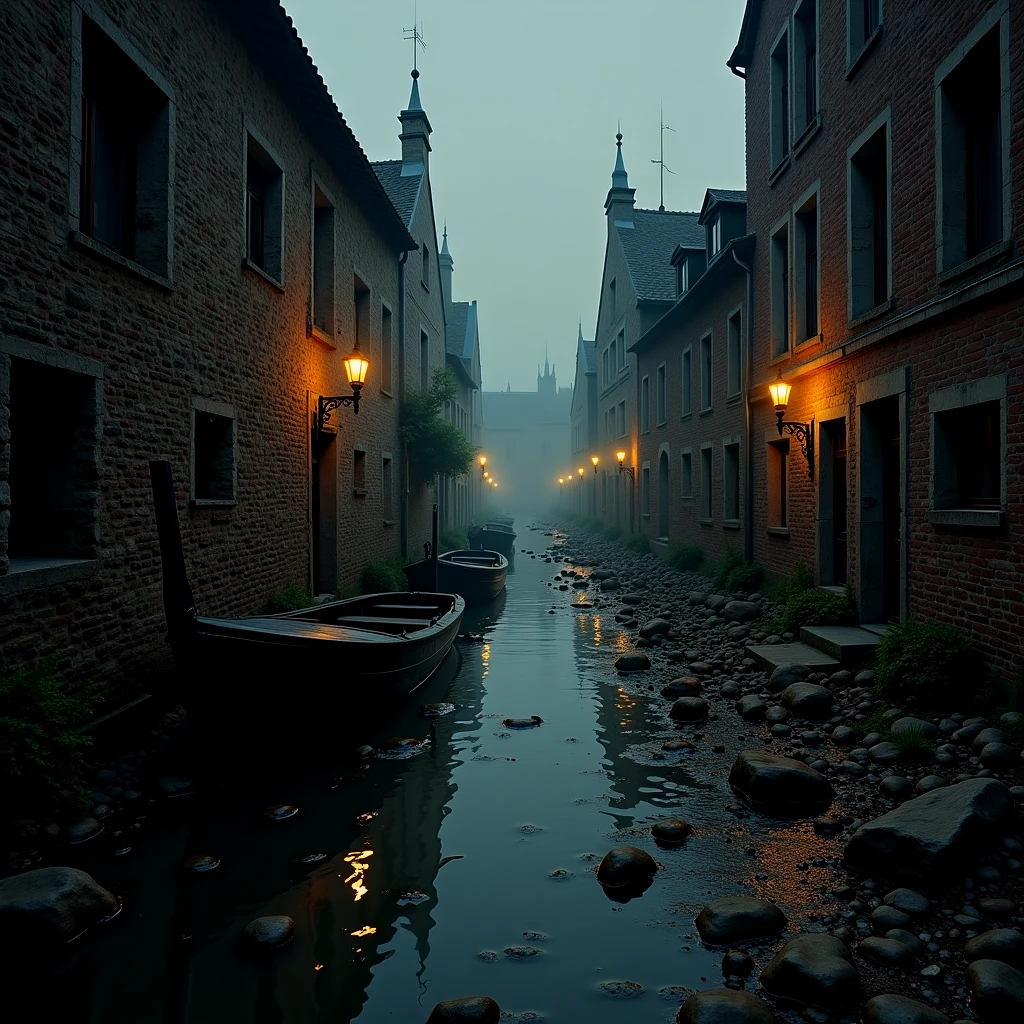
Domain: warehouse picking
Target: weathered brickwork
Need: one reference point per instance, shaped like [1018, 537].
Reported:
[221, 333]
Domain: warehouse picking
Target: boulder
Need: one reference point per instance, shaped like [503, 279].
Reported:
[737, 964]
[808, 700]
[636, 661]
[752, 708]
[885, 752]
[42, 909]
[895, 1009]
[737, 918]
[907, 900]
[998, 756]
[724, 1006]
[684, 686]
[696, 598]
[716, 602]
[996, 991]
[741, 611]
[655, 627]
[779, 783]
[843, 736]
[929, 837]
[889, 952]
[689, 709]
[1004, 944]
[671, 831]
[813, 969]
[912, 725]
[895, 787]
[785, 675]
[626, 866]
[473, 1010]
[269, 932]
[930, 782]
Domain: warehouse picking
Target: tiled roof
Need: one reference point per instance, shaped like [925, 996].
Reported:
[455, 329]
[727, 195]
[590, 355]
[514, 410]
[402, 190]
[648, 248]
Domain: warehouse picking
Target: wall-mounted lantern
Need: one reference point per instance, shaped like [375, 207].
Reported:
[356, 366]
[803, 432]
[594, 459]
[621, 458]
[483, 462]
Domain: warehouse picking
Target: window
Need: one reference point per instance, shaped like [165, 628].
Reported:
[54, 463]
[706, 382]
[706, 457]
[424, 360]
[622, 419]
[687, 382]
[660, 394]
[863, 20]
[606, 434]
[425, 267]
[869, 232]
[805, 67]
[734, 372]
[971, 152]
[686, 475]
[682, 276]
[605, 371]
[613, 357]
[620, 351]
[361, 301]
[645, 405]
[359, 472]
[386, 351]
[807, 271]
[779, 112]
[645, 490]
[127, 155]
[386, 489]
[778, 484]
[780, 291]
[715, 236]
[264, 209]
[612, 296]
[213, 453]
[323, 261]
[731, 489]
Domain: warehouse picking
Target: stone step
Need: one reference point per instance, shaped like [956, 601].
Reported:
[849, 645]
[771, 656]
[878, 628]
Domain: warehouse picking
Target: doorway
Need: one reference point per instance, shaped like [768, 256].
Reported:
[833, 501]
[663, 496]
[324, 512]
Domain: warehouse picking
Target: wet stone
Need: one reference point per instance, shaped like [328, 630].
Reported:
[736, 918]
[885, 951]
[808, 700]
[671, 832]
[907, 900]
[998, 756]
[1004, 944]
[779, 783]
[752, 708]
[269, 932]
[471, 1010]
[895, 787]
[200, 863]
[636, 661]
[996, 991]
[279, 812]
[684, 686]
[560, 875]
[891, 1008]
[885, 917]
[909, 939]
[626, 866]
[675, 746]
[689, 709]
[523, 723]
[436, 710]
[884, 752]
[736, 963]
[654, 627]
[815, 970]
[785, 675]
[993, 908]
[82, 829]
[402, 743]
[521, 952]
[724, 1006]
[930, 782]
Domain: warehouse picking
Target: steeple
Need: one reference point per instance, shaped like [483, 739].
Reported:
[619, 204]
[579, 337]
[445, 266]
[416, 131]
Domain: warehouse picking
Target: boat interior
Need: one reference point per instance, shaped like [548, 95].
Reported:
[481, 558]
[383, 613]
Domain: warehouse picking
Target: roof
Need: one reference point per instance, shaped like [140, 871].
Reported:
[516, 410]
[270, 36]
[402, 189]
[744, 49]
[714, 196]
[461, 339]
[648, 247]
[590, 356]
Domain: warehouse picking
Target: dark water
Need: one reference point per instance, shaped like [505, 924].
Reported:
[452, 857]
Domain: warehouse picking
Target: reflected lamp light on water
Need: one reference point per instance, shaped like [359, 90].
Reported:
[803, 432]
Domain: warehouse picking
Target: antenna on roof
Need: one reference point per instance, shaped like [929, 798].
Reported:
[416, 35]
[661, 163]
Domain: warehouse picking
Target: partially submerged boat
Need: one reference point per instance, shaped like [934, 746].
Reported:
[493, 537]
[502, 519]
[312, 663]
[477, 576]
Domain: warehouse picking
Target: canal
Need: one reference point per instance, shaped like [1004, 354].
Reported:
[462, 866]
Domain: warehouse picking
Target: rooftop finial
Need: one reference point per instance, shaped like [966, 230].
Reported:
[619, 177]
[444, 240]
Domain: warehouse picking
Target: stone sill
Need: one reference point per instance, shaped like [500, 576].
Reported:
[857, 59]
[29, 573]
[730, 524]
[213, 502]
[706, 522]
[686, 497]
[386, 394]
[89, 244]
[248, 264]
[778, 531]
[991, 255]
[359, 492]
[319, 334]
[989, 519]
[778, 172]
[808, 133]
[706, 412]
[734, 399]
[873, 314]
[389, 522]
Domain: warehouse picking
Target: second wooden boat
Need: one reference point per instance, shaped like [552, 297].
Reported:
[493, 537]
[477, 576]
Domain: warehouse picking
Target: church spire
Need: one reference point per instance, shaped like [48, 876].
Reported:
[619, 177]
[620, 201]
[416, 131]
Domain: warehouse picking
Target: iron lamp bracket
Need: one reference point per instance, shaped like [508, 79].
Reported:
[804, 433]
[326, 405]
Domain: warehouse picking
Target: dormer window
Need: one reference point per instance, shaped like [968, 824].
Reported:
[715, 236]
[682, 277]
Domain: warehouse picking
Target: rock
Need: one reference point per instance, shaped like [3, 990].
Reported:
[201, 863]
[786, 675]
[986, 736]
[523, 723]
[865, 678]
[895, 787]
[436, 709]
[696, 598]
[896, 1009]
[884, 753]
[736, 918]
[909, 939]
[808, 700]
[654, 627]
[637, 661]
[751, 708]
[472, 1010]
[724, 1006]
[908, 901]
[269, 932]
[996, 991]
[677, 745]
[81, 829]
[279, 812]
[827, 826]
[1004, 944]
[998, 756]
[626, 866]
[934, 834]
[716, 602]
[779, 783]
[689, 709]
[684, 686]
[741, 611]
[42, 909]
[737, 964]
[885, 917]
[841, 678]
[671, 831]
[815, 969]
[885, 951]
[630, 599]
[928, 783]
[172, 786]
[843, 736]
[911, 725]
[778, 714]
[993, 908]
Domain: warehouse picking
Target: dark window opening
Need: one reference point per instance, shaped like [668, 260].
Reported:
[779, 110]
[424, 360]
[869, 224]
[969, 458]
[323, 261]
[255, 212]
[213, 457]
[807, 268]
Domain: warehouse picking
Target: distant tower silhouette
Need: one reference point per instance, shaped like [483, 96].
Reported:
[546, 382]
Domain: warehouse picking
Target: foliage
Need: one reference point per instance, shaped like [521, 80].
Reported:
[799, 580]
[383, 576]
[684, 556]
[290, 599]
[637, 542]
[720, 568]
[745, 577]
[42, 770]
[924, 661]
[436, 447]
[345, 593]
[913, 743]
[453, 539]
[814, 607]
[612, 532]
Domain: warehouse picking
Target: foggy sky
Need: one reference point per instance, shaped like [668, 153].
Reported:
[523, 98]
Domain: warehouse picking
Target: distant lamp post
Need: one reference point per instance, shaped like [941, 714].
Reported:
[620, 457]
[581, 472]
[803, 432]
[483, 462]
[594, 459]
[356, 366]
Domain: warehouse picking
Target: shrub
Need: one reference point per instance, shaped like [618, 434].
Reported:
[923, 661]
[817, 608]
[913, 743]
[612, 532]
[637, 542]
[799, 580]
[721, 568]
[42, 770]
[383, 576]
[452, 539]
[745, 577]
[291, 599]
[684, 556]
[436, 447]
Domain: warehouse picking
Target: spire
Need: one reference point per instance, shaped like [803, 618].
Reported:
[444, 239]
[619, 177]
[414, 96]
[579, 337]
[446, 265]
[416, 130]
[620, 202]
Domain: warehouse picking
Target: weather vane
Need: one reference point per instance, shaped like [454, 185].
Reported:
[661, 163]
[416, 35]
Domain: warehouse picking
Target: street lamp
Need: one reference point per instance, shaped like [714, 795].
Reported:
[356, 366]
[483, 462]
[594, 459]
[803, 432]
[621, 457]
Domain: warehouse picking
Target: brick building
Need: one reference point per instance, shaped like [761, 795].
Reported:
[884, 188]
[185, 266]
[583, 419]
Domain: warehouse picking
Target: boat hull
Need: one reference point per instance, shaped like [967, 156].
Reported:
[493, 537]
[476, 583]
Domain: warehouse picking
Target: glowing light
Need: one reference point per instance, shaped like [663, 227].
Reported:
[621, 456]
[356, 366]
[780, 394]
[358, 862]
[367, 930]
[318, 967]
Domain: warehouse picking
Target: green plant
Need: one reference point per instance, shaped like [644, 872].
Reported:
[42, 770]
[290, 599]
[913, 743]
[800, 579]
[637, 542]
[612, 532]
[926, 662]
[817, 608]
[875, 722]
[436, 447]
[684, 556]
[723, 567]
[452, 539]
[345, 593]
[745, 577]
[383, 576]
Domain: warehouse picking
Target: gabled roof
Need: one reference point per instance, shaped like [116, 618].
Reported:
[461, 340]
[271, 38]
[744, 49]
[716, 196]
[590, 356]
[402, 189]
[648, 247]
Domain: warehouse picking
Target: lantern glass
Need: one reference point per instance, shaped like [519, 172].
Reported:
[356, 366]
[594, 460]
[621, 456]
[780, 394]
[483, 460]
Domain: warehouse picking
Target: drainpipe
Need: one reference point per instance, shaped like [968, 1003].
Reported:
[748, 413]
[403, 526]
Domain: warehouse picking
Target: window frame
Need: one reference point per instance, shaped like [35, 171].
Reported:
[661, 394]
[707, 483]
[809, 119]
[205, 406]
[857, 47]
[645, 490]
[707, 378]
[734, 359]
[645, 404]
[781, 291]
[620, 351]
[729, 443]
[387, 488]
[801, 254]
[780, 446]
[274, 259]
[686, 382]
[324, 333]
[686, 474]
[780, 88]
[388, 343]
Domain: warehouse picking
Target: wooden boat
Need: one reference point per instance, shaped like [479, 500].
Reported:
[300, 666]
[502, 519]
[477, 576]
[493, 537]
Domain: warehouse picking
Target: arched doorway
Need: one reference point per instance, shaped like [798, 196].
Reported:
[663, 495]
